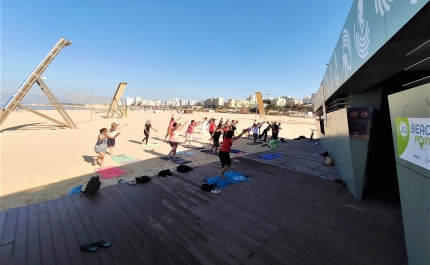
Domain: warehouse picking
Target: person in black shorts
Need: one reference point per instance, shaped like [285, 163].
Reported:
[173, 139]
[215, 137]
[224, 152]
[148, 127]
[212, 128]
[264, 133]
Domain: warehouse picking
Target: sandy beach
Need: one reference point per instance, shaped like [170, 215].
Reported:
[41, 160]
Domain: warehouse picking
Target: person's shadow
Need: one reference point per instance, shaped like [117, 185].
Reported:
[89, 159]
[134, 141]
[155, 153]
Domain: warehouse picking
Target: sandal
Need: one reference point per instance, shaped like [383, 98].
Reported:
[131, 182]
[88, 247]
[100, 243]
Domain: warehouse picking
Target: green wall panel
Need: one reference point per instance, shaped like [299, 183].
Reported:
[414, 180]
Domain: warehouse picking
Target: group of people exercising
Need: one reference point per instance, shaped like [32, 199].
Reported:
[106, 138]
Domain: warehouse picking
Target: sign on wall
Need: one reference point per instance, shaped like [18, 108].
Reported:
[369, 25]
[413, 140]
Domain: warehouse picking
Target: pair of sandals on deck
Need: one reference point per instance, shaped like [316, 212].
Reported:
[91, 247]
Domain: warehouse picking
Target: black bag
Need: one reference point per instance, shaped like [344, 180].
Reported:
[184, 168]
[142, 179]
[92, 187]
[164, 173]
[207, 187]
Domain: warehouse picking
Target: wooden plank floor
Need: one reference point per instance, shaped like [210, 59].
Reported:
[281, 216]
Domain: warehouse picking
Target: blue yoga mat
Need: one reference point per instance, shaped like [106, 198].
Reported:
[234, 151]
[75, 190]
[208, 152]
[231, 178]
[270, 156]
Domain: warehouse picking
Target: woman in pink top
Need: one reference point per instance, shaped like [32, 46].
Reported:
[224, 152]
[173, 140]
[189, 133]
[169, 129]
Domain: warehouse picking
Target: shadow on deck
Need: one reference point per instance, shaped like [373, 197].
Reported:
[281, 216]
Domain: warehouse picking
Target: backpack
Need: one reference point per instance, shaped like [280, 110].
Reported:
[142, 179]
[207, 187]
[184, 168]
[164, 173]
[92, 187]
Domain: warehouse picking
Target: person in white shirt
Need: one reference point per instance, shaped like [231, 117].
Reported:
[205, 123]
[255, 129]
[112, 134]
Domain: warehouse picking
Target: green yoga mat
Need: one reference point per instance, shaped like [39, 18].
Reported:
[155, 144]
[124, 159]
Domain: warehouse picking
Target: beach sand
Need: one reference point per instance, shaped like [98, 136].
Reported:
[41, 160]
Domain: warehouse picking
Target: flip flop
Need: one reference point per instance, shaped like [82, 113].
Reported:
[88, 247]
[131, 182]
[100, 243]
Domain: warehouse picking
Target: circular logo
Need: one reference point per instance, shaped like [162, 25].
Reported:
[403, 129]
[354, 114]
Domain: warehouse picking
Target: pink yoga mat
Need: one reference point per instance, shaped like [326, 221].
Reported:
[110, 172]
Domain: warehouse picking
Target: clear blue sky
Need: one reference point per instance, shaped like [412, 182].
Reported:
[191, 49]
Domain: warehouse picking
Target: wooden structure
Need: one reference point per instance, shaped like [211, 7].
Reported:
[260, 105]
[35, 77]
[281, 216]
[115, 105]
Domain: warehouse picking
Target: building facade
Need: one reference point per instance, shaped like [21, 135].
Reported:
[369, 110]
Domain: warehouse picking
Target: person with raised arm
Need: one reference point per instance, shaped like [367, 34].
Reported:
[212, 128]
[204, 125]
[169, 129]
[255, 129]
[190, 131]
[224, 152]
[173, 139]
[100, 147]
[274, 142]
[215, 137]
[112, 134]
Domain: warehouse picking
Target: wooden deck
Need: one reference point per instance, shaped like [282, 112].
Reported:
[281, 216]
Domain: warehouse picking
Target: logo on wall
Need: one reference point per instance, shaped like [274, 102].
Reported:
[413, 140]
[403, 129]
[381, 6]
[346, 49]
[336, 71]
[361, 36]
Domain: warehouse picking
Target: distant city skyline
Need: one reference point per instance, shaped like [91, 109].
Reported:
[218, 101]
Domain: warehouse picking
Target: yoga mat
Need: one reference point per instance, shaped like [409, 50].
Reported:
[179, 161]
[234, 151]
[75, 190]
[208, 152]
[124, 159]
[187, 153]
[153, 144]
[195, 148]
[270, 156]
[232, 177]
[110, 172]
